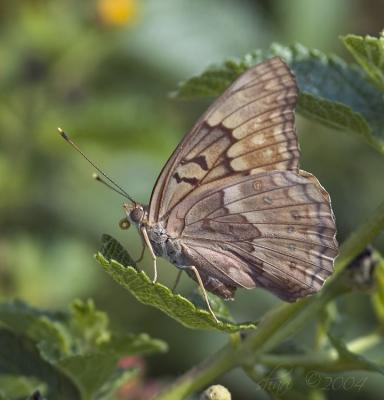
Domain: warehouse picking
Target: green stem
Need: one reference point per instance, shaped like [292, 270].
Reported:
[364, 343]
[278, 324]
[198, 377]
[322, 361]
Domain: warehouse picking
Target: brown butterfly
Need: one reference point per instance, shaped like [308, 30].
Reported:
[231, 206]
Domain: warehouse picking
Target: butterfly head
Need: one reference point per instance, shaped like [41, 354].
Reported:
[135, 214]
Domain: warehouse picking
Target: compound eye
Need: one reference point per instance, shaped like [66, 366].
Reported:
[124, 223]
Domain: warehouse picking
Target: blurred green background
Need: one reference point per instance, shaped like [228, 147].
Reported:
[102, 71]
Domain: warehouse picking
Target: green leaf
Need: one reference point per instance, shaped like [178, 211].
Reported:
[20, 356]
[88, 326]
[92, 370]
[129, 344]
[331, 91]
[357, 359]
[120, 377]
[89, 371]
[43, 327]
[111, 248]
[369, 53]
[158, 295]
[95, 362]
[87, 362]
[18, 387]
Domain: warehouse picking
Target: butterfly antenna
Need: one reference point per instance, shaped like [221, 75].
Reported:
[98, 178]
[117, 188]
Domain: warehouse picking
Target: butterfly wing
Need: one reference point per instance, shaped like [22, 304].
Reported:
[234, 196]
[273, 230]
[249, 129]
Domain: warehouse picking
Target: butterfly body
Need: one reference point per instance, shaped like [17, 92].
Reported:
[164, 245]
[178, 253]
[231, 206]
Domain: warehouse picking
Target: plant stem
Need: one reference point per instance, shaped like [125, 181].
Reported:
[278, 324]
[364, 343]
[322, 361]
[201, 375]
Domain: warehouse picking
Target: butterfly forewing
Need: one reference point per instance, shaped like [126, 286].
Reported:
[249, 129]
[233, 196]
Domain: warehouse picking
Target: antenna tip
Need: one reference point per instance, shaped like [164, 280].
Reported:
[63, 134]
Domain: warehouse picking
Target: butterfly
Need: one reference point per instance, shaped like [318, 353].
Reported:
[231, 207]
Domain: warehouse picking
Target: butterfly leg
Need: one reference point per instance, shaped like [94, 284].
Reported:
[148, 243]
[177, 280]
[142, 250]
[196, 272]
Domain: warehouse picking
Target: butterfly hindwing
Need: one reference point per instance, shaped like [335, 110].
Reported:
[273, 230]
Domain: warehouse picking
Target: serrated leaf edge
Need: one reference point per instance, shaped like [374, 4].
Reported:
[205, 316]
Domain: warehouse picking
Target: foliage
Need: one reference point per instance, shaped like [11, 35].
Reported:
[369, 53]
[72, 355]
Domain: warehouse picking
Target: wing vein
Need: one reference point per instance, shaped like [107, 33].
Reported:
[290, 110]
[255, 149]
[251, 83]
[275, 208]
[265, 128]
[290, 255]
[276, 268]
[255, 99]
[235, 201]
[193, 238]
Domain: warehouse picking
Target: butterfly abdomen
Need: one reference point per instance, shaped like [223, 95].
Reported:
[215, 286]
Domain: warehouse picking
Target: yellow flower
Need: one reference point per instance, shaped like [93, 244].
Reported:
[117, 12]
